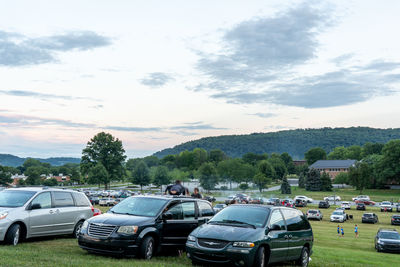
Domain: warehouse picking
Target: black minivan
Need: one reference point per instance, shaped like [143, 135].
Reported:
[141, 225]
[252, 235]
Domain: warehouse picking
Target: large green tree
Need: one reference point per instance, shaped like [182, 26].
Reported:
[313, 181]
[98, 175]
[314, 154]
[326, 182]
[207, 174]
[285, 187]
[161, 176]
[261, 181]
[360, 175]
[216, 155]
[389, 165]
[141, 175]
[33, 174]
[5, 176]
[105, 149]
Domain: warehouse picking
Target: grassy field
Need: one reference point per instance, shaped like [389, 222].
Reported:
[329, 249]
[376, 195]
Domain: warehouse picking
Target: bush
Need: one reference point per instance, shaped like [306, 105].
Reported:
[342, 178]
[224, 187]
[244, 186]
[326, 182]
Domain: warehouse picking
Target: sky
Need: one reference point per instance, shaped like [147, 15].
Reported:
[155, 74]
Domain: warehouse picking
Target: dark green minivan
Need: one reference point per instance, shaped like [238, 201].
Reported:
[252, 235]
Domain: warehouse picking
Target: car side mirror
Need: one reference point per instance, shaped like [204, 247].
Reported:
[36, 206]
[167, 216]
[275, 227]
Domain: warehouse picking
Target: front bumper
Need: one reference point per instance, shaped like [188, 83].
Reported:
[335, 219]
[368, 220]
[228, 255]
[4, 225]
[389, 247]
[113, 245]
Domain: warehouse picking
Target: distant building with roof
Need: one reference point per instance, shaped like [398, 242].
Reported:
[333, 167]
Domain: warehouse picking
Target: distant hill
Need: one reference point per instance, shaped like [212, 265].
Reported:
[14, 161]
[295, 142]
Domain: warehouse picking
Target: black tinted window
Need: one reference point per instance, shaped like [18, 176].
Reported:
[81, 200]
[205, 209]
[176, 211]
[188, 210]
[295, 220]
[276, 218]
[63, 199]
[44, 199]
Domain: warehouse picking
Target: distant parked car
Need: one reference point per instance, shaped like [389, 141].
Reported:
[219, 207]
[398, 207]
[395, 219]
[369, 218]
[274, 201]
[324, 204]
[107, 201]
[300, 203]
[360, 197]
[365, 201]
[386, 206]
[209, 198]
[307, 199]
[94, 200]
[387, 240]
[314, 214]
[288, 203]
[345, 205]
[338, 215]
[360, 206]
[332, 198]
[257, 200]
[229, 199]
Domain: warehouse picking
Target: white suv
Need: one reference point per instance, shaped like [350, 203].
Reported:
[338, 216]
[345, 205]
[309, 200]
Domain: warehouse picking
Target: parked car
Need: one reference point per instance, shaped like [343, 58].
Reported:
[332, 198]
[94, 200]
[369, 218]
[219, 207]
[257, 200]
[386, 206]
[398, 207]
[288, 203]
[274, 201]
[107, 201]
[387, 240]
[338, 215]
[141, 225]
[40, 211]
[360, 206]
[345, 205]
[252, 235]
[307, 199]
[324, 204]
[96, 212]
[365, 201]
[314, 214]
[361, 197]
[210, 198]
[229, 199]
[395, 219]
[300, 203]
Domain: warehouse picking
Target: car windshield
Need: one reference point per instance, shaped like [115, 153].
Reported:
[219, 206]
[386, 203]
[14, 198]
[367, 215]
[139, 206]
[337, 213]
[390, 235]
[253, 216]
[312, 211]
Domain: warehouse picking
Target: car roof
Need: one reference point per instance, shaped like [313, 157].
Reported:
[387, 230]
[42, 189]
[171, 197]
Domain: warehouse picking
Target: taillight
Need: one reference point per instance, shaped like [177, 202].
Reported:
[91, 206]
[392, 219]
[317, 214]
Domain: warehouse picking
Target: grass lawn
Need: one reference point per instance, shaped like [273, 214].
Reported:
[376, 195]
[329, 249]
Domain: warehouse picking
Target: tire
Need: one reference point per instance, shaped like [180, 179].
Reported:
[304, 258]
[260, 258]
[13, 235]
[147, 248]
[77, 229]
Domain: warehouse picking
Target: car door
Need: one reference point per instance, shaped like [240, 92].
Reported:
[41, 220]
[278, 238]
[182, 220]
[298, 231]
[65, 212]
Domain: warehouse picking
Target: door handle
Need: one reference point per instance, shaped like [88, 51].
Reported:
[51, 211]
[57, 211]
[290, 236]
[286, 237]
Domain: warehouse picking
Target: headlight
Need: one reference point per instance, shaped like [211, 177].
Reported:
[243, 244]
[3, 215]
[129, 229]
[381, 242]
[85, 226]
[191, 238]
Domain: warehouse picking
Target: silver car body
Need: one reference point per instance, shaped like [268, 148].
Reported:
[51, 219]
[314, 214]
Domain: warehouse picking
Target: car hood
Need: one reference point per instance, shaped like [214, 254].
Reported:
[120, 219]
[227, 232]
[390, 241]
[3, 209]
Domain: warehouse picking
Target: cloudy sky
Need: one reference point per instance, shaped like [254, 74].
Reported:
[159, 73]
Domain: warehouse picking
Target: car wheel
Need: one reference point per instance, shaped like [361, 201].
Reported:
[304, 258]
[13, 235]
[77, 229]
[147, 248]
[260, 257]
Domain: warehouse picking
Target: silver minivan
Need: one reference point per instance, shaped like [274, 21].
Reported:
[41, 211]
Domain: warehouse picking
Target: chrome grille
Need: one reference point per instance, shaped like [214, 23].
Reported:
[212, 243]
[100, 230]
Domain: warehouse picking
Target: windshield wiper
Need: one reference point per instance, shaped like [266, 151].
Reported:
[232, 221]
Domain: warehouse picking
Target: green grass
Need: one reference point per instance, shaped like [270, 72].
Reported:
[329, 249]
[376, 195]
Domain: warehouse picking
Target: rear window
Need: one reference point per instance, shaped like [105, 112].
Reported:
[295, 220]
[312, 211]
[367, 215]
[205, 209]
[81, 200]
[63, 199]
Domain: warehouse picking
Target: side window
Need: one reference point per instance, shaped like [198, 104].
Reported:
[44, 199]
[63, 199]
[188, 210]
[176, 211]
[276, 218]
[295, 220]
[81, 200]
[205, 209]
